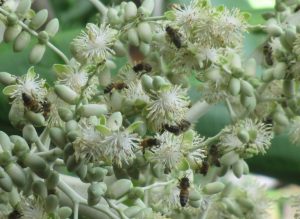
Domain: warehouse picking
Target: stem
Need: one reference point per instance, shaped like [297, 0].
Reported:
[76, 210]
[231, 111]
[40, 146]
[124, 198]
[114, 206]
[208, 142]
[156, 18]
[100, 6]
[197, 110]
[34, 33]
[159, 184]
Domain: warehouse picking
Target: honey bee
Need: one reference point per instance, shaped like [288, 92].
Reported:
[30, 103]
[203, 168]
[184, 184]
[46, 107]
[115, 85]
[15, 215]
[267, 51]
[142, 67]
[175, 36]
[183, 126]
[214, 155]
[150, 143]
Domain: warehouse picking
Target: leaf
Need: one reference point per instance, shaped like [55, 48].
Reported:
[31, 73]
[102, 119]
[134, 126]
[103, 129]
[9, 90]
[220, 8]
[183, 165]
[60, 69]
[246, 15]
[170, 15]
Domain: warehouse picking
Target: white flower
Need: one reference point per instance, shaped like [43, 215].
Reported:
[135, 92]
[94, 43]
[88, 146]
[260, 136]
[119, 147]
[294, 133]
[213, 92]
[30, 208]
[167, 106]
[168, 154]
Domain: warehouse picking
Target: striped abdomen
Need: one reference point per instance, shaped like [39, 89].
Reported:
[184, 197]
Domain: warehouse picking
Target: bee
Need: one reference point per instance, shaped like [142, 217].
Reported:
[267, 51]
[297, 8]
[214, 155]
[150, 143]
[30, 103]
[46, 107]
[15, 215]
[203, 169]
[184, 184]
[142, 67]
[175, 36]
[183, 126]
[115, 85]
[138, 3]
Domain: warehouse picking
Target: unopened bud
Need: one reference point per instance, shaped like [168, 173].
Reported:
[136, 193]
[238, 168]
[37, 53]
[95, 192]
[12, 32]
[37, 164]
[52, 180]
[65, 114]
[243, 135]
[64, 212]
[22, 40]
[5, 181]
[279, 70]
[147, 82]
[213, 188]
[115, 121]
[234, 86]
[232, 207]
[148, 7]
[23, 7]
[144, 32]
[73, 163]
[194, 195]
[281, 119]
[39, 188]
[52, 27]
[51, 203]
[96, 174]
[119, 49]
[133, 37]
[130, 11]
[17, 174]
[39, 19]
[7, 79]
[5, 142]
[267, 75]
[245, 203]
[89, 110]
[246, 88]
[66, 94]
[229, 158]
[36, 119]
[30, 134]
[159, 82]
[195, 204]
[119, 188]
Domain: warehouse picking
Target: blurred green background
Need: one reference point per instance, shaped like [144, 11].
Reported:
[282, 160]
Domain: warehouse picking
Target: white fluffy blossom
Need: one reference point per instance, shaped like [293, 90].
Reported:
[94, 43]
[135, 92]
[30, 208]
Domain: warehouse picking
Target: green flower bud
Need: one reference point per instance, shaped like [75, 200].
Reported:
[229, 158]
[147, 82]
[71, 125]
[51, 203]
[245, 203]
[274, 30]
[23, 8]
[232, 207]
[65, 114]
[20, 148]
[250, 67]
[36, 119]
[245, 168]
[119, 188]
[12, 19]
[7, 79]
[234, 86]
[82, 171]
[248, 102]
[5, 142]
[64, 212]
[29, 133]
[227, 190]
[37, 53]
[130, 11]
[104, 77]
[238, 168]
[95, 192]
[12, 32]
[213, 188]
[37, 164]
[136, 193]
[144, 32]
[17, 174]
[281, 119]
[96, 174]
[119, 49]
[236, 62]
[279, 70]
[267, 75]
[194, 196]
[116, 101]
[5, 181]
[243, 135]
[39, 19]
[290, 36]
[133, 37]
[22, 40]
[157, 170]
[43, 37]
[68, 151]
[73, 163]
[14, 197]
[66, 94]
[148, 7]
[115, 121]
[57, 136]
[213, 74]
[132, 211]
[73, 135]
[39, 188]
[89, 110]
[52, 27]
[289, 88]
[195, 204]
[145, 48]
[112, 15]
[16, 116]
[159, 82]
[246, 88]
[52, 180]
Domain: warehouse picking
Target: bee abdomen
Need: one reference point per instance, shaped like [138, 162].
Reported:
[184, 197]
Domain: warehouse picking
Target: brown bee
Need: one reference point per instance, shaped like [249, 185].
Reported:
[214, 155]
[183, 126]
[15, 215]
[184, 184]
[142, 67]
[115, 85]
[267, 51]
[150, 143]
[30, 103]
[203, 169]
[175, 36]
[46, 107]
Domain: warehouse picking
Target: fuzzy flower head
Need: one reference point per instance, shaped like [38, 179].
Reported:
[29, 84]
[32, 208]
[167, 106]
[136, 93]
[247, 138]
[94, 43]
